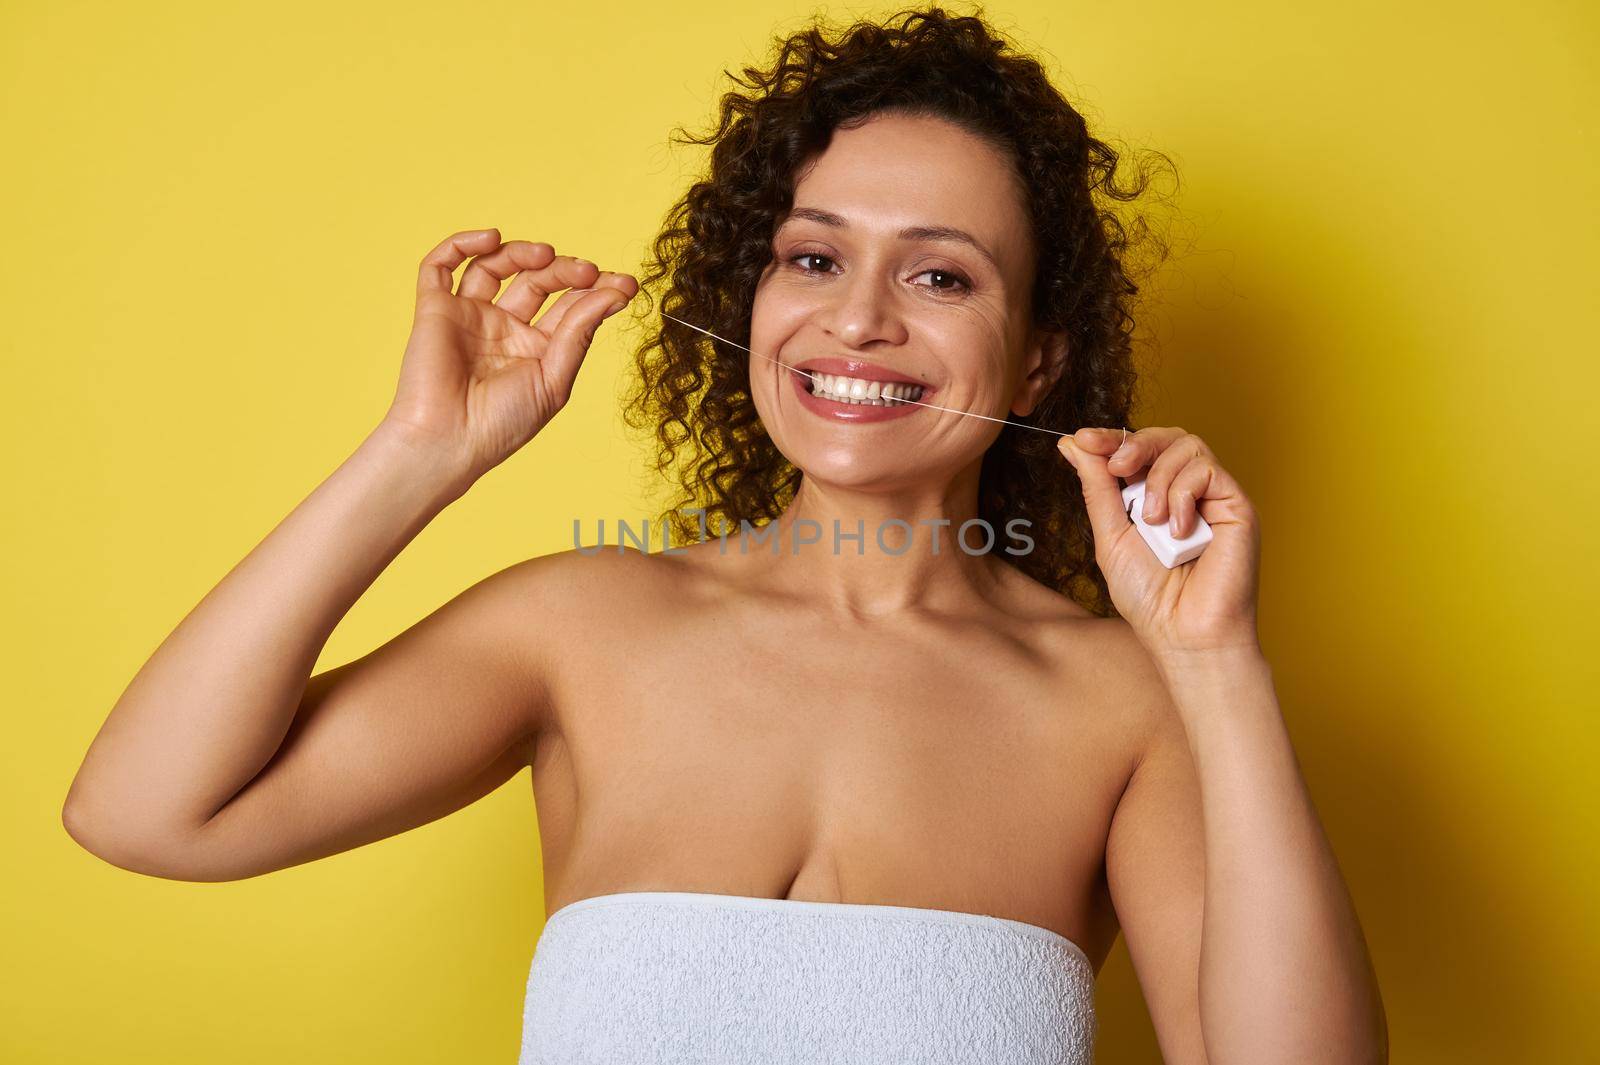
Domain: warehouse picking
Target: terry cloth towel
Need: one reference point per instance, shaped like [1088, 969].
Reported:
[658, 977]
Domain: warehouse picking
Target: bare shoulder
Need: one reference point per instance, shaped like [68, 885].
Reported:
[572, 591]
[577, 572]
[545, 612]
[1151, 716]
[1101, 654]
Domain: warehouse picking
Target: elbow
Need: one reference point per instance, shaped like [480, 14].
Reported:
[1377, 1018]
[1380, 1031]
[79, 821]
[105, 844]
[146, 853]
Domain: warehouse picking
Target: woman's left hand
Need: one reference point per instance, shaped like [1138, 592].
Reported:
[1204, 605]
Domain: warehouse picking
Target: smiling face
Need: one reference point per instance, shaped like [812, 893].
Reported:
[907, 257]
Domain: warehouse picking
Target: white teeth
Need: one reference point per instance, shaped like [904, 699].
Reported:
[856, 390]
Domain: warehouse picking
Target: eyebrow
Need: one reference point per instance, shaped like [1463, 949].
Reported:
[945, 233]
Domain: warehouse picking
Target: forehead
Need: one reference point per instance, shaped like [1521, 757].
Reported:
[896, 171]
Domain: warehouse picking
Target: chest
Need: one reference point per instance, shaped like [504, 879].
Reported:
[789, 758]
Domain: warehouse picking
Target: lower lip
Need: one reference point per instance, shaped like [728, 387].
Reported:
[848, 412]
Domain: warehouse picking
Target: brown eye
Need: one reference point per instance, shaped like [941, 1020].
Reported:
[949, 275]
[810, 255]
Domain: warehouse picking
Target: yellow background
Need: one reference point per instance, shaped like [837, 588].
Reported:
[1384, 323]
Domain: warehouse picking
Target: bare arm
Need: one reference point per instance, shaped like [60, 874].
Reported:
[1241, 929]
[1155, 867]
[224, 758]
[221, 761]
[1240, 926]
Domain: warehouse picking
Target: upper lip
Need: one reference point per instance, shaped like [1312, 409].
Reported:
[869, 371]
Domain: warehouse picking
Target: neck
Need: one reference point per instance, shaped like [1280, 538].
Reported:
[849, 548]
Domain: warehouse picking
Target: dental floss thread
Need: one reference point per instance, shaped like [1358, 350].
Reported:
[1170, 550]
[813, 377]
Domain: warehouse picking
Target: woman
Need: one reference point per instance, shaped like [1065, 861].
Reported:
[866, 793]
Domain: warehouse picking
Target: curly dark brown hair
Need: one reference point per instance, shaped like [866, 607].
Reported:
[693, 393]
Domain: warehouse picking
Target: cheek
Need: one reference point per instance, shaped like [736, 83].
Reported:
[776, 312]
[768, 336]
[975, 368]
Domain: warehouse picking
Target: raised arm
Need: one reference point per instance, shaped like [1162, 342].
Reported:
[1242, 933]
[224, 758]
[1240, 926]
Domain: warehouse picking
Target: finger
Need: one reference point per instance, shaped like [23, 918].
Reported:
[530, 288]
[521, 301]
[1175, 456]
[1101, 441]
[481, 279]
[1140, 449]
[551, 320]
[1102, 496]
[1177, 504]
[571, 340]
[439, 265]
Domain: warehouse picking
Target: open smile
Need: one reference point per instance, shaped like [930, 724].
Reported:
[855, 391]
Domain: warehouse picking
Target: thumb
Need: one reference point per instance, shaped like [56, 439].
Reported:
[1102, 496]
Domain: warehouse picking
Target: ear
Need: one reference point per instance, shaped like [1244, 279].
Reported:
[1042, 364]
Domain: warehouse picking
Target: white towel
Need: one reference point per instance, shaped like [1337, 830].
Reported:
[658, 977]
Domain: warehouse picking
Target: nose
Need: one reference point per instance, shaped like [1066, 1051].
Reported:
[862, 309]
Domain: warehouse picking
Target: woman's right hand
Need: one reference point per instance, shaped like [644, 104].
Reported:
[479, 378]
